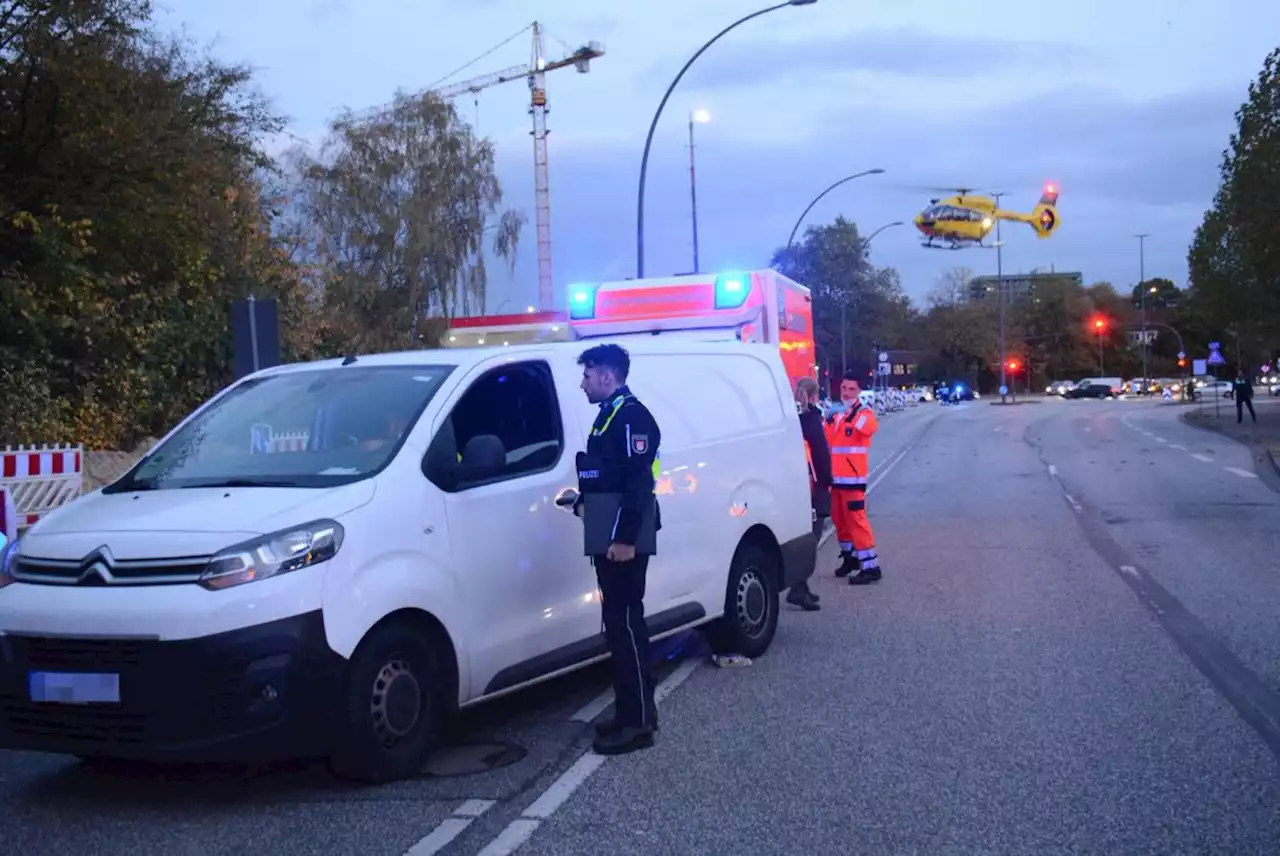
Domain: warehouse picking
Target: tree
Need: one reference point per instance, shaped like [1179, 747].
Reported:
[132, 217]
[1234, 259]
[1160, 293]
[398, 205]
[856, 306]
[963, 333]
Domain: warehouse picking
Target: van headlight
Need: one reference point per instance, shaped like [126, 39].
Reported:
[273, 555]
[8, 555]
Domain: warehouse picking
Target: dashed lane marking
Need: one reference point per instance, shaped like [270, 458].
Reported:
[450, 828]
[1199, 457]
[1244, 474]
[518, 831]
[1178, 446]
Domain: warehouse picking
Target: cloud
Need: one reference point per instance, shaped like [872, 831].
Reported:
[903, 52]
[1124, 166]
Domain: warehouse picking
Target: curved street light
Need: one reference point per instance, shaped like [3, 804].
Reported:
[648, 142]
[844, 332]
[818, 198]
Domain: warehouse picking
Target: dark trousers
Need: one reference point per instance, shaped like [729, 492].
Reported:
[1241, 404]
[802, 587]
[627, 636]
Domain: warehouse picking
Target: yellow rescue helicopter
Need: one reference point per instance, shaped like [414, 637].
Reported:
[964, 220]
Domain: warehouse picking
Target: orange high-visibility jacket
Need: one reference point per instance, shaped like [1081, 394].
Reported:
[850, 436]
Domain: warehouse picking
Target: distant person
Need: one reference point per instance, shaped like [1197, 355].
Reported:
[818, 452]
[1242, 391]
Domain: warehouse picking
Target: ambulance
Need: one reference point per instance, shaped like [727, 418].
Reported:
[760, 306]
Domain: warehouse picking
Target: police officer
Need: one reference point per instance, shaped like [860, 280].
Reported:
[621, 458]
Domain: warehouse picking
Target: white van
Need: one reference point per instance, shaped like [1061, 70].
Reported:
[327, 558]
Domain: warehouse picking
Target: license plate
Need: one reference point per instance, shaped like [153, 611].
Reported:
[75, 688]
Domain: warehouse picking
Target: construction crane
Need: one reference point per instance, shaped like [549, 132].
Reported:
[535, 73]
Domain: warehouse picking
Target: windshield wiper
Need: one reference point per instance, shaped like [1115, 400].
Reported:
[244, 483]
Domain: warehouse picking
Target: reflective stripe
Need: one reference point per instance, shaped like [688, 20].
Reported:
[850, 450]
[596, 432]
[850, 480]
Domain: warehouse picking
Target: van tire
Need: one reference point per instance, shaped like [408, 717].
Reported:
[751, 604]
[391, 707]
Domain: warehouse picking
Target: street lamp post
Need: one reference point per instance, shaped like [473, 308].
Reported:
[1142, 287]
[796, 228]
[844, 331]
[1004, 362]
[701, 117]
[648, 142]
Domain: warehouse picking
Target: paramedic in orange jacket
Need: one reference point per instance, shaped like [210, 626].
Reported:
[849, 434]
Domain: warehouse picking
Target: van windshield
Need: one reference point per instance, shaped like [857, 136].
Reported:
[309, 429]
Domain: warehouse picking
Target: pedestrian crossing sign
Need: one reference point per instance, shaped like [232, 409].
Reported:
[1215, 358]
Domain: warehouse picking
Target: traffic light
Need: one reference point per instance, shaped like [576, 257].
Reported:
[1014, 365]
[1099, 324]
[1182, 364]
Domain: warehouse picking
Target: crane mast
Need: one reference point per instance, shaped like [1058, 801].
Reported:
[536, 74]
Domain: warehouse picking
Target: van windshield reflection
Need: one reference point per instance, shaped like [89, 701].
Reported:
[309, 429]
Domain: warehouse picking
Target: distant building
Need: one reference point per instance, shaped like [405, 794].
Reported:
[1021, 284]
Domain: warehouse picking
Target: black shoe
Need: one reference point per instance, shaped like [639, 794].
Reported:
[807, 601]
[611, 726]
[865, 577]
[626, 739]
[848, 564]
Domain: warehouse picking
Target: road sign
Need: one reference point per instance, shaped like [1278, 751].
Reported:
[1198, 368]
[883, 369]
[1004, 390]
[1266, 369]
[1215, 346]
[884, 356]
[1215, 358]
[1182, 355]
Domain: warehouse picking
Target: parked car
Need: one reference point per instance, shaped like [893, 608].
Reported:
[1059, 387]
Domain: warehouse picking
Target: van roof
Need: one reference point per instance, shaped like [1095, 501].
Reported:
[463, 357]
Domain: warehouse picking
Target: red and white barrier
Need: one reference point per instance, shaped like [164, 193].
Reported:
[289, 441]
[8, 515]
[39, 479]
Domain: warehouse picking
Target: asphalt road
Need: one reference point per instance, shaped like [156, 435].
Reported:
[1069, 653]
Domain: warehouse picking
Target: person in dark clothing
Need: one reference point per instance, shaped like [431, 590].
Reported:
[1242, 391]
[819, 454]
[621, 458]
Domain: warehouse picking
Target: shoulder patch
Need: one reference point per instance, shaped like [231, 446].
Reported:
[639, 443]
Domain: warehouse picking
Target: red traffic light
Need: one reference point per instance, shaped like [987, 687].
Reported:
[1182, 363]
[1099, 324]
[1014, 365]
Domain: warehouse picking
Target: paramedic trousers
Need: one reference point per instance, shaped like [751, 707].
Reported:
[627, 636]
[853, 530]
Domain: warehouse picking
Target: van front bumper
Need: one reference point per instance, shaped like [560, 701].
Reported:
[257, 694]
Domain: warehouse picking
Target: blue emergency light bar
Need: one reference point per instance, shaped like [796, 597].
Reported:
[582, 302]
[732, 290]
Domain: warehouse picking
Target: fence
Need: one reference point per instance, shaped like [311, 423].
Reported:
[41, 478]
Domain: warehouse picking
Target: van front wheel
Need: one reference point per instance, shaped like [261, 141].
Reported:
[750, 617]
[391, 707]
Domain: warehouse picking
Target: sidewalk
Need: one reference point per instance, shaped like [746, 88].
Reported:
[1263, 437]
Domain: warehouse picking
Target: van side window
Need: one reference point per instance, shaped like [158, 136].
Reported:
[506, 425]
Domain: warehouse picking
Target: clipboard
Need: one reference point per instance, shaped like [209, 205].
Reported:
[599, 517]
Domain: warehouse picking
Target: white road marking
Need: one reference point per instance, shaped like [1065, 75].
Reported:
[1242, 473]
[510, 839]
[594, 708]
[447, 830]
[885, 470]
[1130, 570]
[1159, 439]
[1178, 446]
[1053, 471]
[1205, 458]
[518, 831]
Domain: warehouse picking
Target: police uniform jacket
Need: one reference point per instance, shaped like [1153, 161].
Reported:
[622, 458]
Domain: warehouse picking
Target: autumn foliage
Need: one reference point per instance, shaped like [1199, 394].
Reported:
[137, 202]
